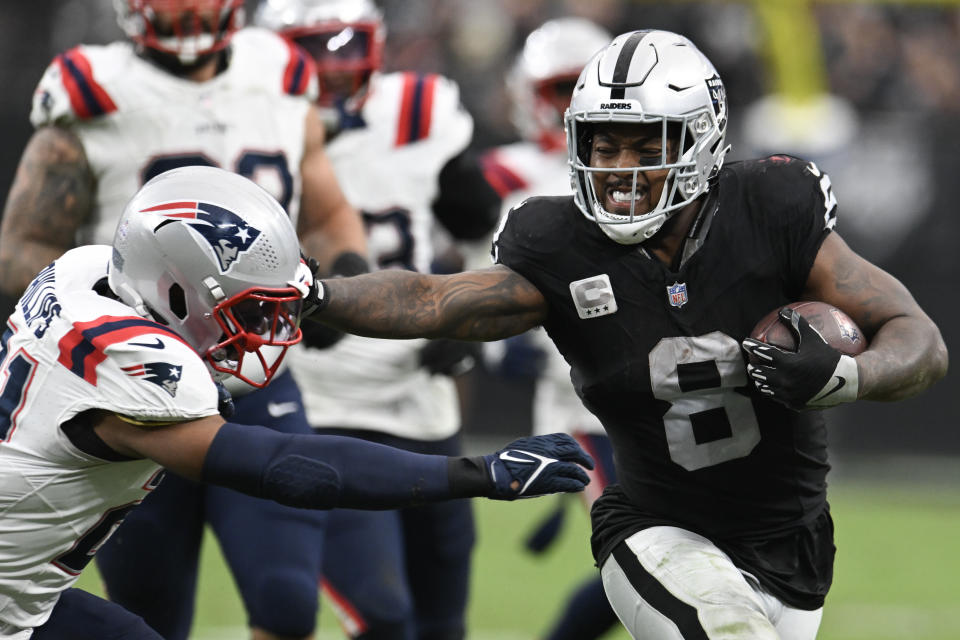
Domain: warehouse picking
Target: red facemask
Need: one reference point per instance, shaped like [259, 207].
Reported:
[251, 320]
[188, 29]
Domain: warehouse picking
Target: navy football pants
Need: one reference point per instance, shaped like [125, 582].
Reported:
[150, 564]
[79, 615]
[404, 574]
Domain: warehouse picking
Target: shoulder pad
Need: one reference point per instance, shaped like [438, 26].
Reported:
[73, 86]
[148, 372]
[429, 109]
[536, 225]
[500, 174]
[799, 184]
[264, 59]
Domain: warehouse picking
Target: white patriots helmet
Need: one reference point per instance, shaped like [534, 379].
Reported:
[187, 29]
[214, 257]
[646, 77]
[543, 75]
[345, 38]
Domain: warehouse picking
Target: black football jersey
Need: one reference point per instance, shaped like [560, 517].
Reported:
[655, 352]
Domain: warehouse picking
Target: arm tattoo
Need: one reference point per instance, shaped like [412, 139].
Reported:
[473, 305]
[50, 198]
[906, 352]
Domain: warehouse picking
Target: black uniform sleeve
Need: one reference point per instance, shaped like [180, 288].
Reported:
[534, 235]
[467, 205]
[800, 210]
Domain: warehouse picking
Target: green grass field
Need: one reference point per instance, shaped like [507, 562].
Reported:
[896, 574]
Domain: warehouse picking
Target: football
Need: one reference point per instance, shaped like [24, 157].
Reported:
[833, 325]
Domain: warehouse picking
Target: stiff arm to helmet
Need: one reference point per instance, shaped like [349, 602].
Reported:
[644, 78]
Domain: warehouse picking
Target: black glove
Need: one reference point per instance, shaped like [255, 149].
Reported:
[536, 466]
[313, 298]
[814, 376]
[449, 357]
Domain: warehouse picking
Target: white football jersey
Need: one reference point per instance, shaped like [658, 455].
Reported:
[389, 169]
[519, 171]
[68, 350]
[136, 120]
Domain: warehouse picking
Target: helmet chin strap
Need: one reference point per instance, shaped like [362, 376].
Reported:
[132, 299]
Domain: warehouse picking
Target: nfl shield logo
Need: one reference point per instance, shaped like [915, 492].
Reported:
[677, 294]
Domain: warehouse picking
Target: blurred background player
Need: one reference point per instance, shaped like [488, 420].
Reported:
[540, 84]
[186, 91]
[107, 382]
[401, 154]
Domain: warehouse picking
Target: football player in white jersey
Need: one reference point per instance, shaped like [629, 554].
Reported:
[401, 155]
[539, 84]
[187, 90]
[109, 364]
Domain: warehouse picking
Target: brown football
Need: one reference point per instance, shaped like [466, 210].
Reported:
[833, 325]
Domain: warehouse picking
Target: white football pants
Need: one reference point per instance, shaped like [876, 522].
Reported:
[666, 583]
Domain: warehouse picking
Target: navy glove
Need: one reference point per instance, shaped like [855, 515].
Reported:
[224, 401]
[449, 357]
[814, 376]
[536, 466]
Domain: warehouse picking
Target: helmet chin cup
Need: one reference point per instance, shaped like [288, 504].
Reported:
[632, 229]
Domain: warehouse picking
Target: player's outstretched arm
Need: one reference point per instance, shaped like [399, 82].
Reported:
[49, 199]
[906, 352]
[486, 304]
[331, 471]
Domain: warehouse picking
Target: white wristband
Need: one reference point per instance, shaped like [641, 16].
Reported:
[843, 385]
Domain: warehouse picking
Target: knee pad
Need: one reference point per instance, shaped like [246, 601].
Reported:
[285, 603]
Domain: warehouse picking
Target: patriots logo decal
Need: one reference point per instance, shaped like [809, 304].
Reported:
[163, 374]
[226, 232]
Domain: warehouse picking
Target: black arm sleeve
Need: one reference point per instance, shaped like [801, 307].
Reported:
[467, 205]
[325, 472]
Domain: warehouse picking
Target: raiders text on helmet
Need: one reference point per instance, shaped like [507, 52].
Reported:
[649, 77]
[214, 257]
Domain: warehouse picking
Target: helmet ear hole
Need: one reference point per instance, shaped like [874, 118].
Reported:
[178, 301]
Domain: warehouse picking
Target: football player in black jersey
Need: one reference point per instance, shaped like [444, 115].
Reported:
[649, 280]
